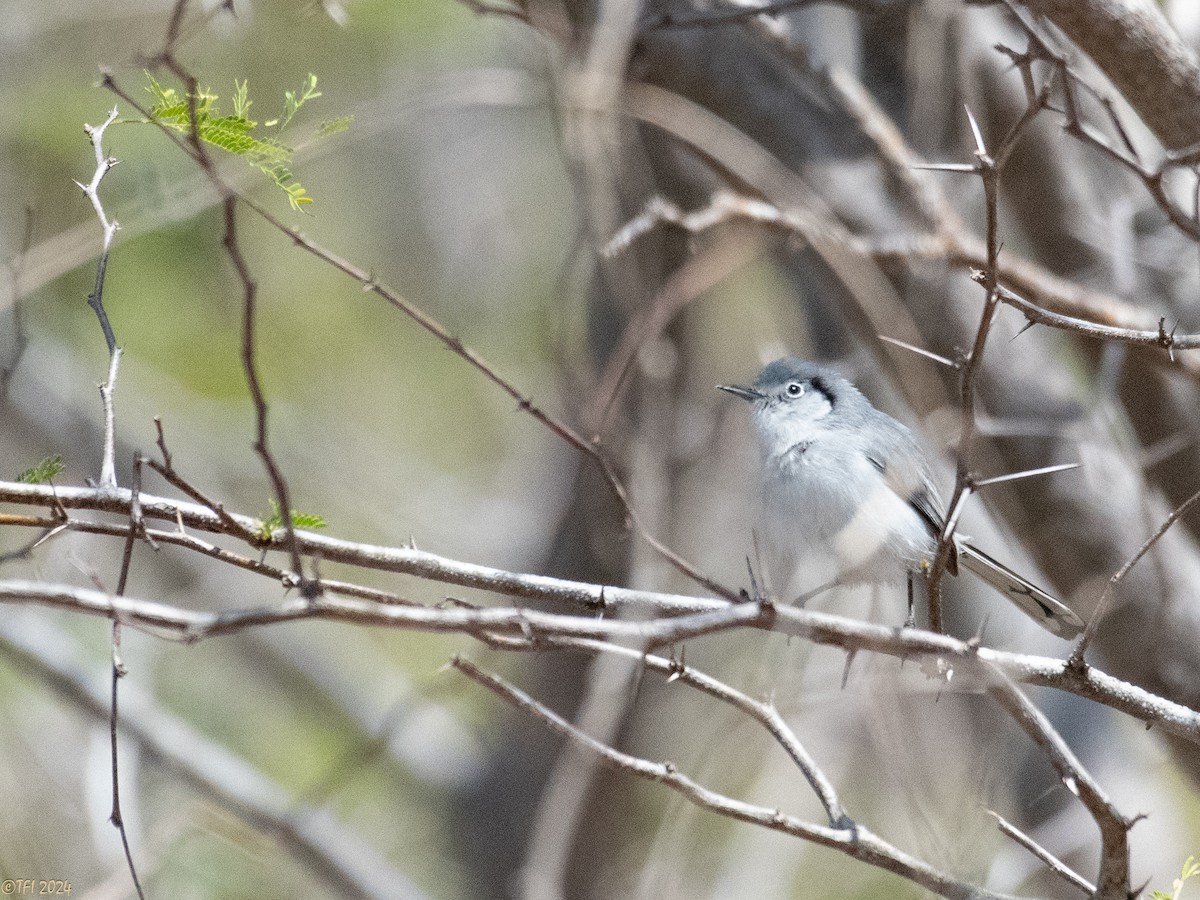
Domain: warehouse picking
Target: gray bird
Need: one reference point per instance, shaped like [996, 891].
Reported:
[847, 485]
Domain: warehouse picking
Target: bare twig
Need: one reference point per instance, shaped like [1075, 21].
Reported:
[443, 335]
[1172, 128]
[1106, 597]
[191, 625]
[108, 466]
[1113, 883]
[675, 670]
[308, 588]
[118, 667]
[167, 470]
[1056, 865]
[1028, 473]
[920, 351]
[988, 171]
[406, 560]
[951, 239]
[856, 842]
[104, 163]
[1158, 337]
[722, 207]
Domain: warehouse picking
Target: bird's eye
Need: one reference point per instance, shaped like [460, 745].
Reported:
[794, 389]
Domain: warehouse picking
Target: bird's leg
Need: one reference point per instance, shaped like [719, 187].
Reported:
[911, 620]
[808, 595]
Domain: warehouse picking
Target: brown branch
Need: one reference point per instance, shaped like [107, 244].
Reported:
[118, 666]
[1053, 863]
[675, 670]
[1077, 655]
[431, 325]
[1159, 337]
[856, 842]
[195, 625]
[950, 238]
[988, 168]
[167, 470]
[91, 190]
[1113, 883]
[697, 616]
[279, 484]
[1142, 55]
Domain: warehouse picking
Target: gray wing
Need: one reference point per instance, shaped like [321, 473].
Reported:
[898, 457]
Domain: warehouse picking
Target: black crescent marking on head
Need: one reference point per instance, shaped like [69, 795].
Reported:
[820, 385]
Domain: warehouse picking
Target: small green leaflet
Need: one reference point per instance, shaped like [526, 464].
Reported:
[236, 133]
[274, 522]
[48, 468]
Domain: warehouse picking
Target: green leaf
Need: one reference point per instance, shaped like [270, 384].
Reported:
[241, 98]
[307, 520]
[334, 126]
[274, 522]
[292, 101]
[1191, 868]
[235, 133]
[48, 468]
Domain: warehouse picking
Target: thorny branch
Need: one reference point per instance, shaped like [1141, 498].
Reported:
[1041, 49]
[853, 840]
[1057, 866]
[262, 447]
[136, 529]
[1114, 828]
[1077, 656]
[1159, 337]
[820, 628]
[988, 167]
[370, 283]
[109, 227]
[675, 670]
[721, 616]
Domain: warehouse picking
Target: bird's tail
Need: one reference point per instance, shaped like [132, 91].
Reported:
[1044, 609]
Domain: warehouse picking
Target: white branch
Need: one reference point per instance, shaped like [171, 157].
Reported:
[104, 163]
[108, 467]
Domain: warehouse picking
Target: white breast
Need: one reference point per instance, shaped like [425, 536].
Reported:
[829, 512]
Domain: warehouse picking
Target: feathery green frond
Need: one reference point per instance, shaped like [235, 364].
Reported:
[48, 468]
[274, 522]
[235, 133]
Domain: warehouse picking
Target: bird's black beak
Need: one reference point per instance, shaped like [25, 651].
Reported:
[746, 393]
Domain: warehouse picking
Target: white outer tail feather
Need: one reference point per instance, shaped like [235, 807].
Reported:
[1040, 606]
